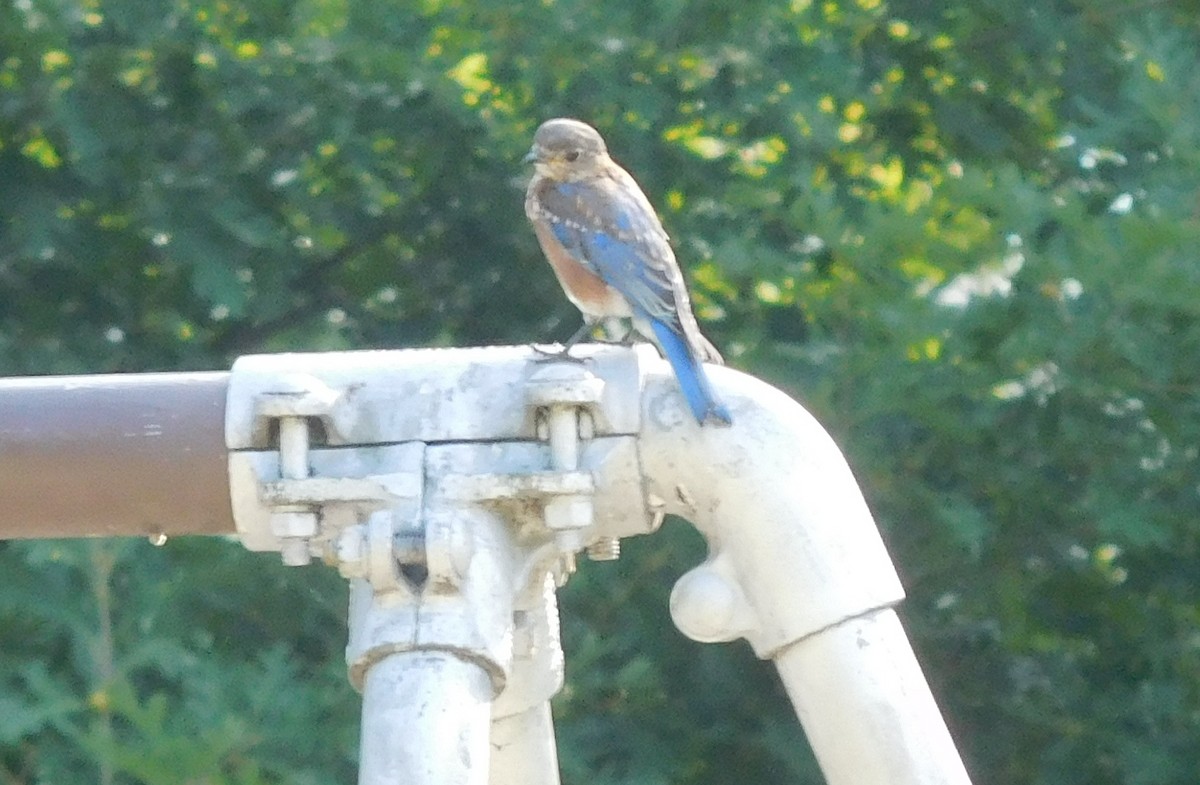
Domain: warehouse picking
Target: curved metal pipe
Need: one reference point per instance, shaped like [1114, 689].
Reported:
[797, 567]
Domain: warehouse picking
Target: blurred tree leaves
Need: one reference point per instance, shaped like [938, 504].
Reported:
[964, 235]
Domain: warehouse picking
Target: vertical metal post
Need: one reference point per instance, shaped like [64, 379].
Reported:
[431, 656]
[425, 719]
[523, 750]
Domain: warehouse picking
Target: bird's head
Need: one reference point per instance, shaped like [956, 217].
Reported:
[566, 149]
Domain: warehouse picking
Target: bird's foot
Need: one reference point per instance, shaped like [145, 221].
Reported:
[552, 355]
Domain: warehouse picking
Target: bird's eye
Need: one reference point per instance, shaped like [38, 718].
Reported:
[573, 156]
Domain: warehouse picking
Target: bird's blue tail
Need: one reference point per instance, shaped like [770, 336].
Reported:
[692, 380]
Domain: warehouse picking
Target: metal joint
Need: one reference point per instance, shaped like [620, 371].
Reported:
[565, 397]
[289, 407]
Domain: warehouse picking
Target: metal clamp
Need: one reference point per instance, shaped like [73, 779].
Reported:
[565, 397]
[290, 407]
[346, 505]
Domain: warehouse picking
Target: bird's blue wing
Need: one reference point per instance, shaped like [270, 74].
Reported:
[618, 239]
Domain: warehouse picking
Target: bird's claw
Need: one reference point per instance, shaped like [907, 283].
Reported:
[559, 355]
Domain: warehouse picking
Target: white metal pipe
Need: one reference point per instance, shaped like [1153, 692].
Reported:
[797, 567]
[783, 515]
[885, 731]
[425, 721]
[523, 749]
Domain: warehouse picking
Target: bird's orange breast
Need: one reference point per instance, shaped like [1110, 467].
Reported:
[587, 290]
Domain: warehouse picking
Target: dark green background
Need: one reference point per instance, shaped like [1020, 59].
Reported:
[965, 235]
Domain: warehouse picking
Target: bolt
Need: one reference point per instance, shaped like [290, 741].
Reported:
[293, 527]
[564, 384]
[293, 448]
[605, 549]
[587, 426]
[560, 392]
[293, 522]
[564, 569]
[349, 550]
[563, 430]
[568, 512]
[294, 551]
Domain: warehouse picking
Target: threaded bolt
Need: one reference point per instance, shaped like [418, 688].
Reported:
[605, 549]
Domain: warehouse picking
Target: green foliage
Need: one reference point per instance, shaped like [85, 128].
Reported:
[964, 235]
[128, 663]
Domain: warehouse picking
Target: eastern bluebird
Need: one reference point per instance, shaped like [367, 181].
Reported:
[612, 256]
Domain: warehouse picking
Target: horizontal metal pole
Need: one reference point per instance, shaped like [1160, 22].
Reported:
[112, 455]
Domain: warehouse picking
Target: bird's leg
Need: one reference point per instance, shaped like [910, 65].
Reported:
[585, 329]
[565, 352]
[614, 325]
[629, 335]
[629, 338]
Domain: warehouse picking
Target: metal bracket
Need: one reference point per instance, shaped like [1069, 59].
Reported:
[289, 408]
[352, 521]
[565, 397]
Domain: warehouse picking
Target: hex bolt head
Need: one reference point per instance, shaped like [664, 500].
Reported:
[294, 552]
[564, 384]
[293, 523]
[568, 512]
[297, 395]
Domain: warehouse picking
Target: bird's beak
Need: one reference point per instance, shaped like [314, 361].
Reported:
[531, 156]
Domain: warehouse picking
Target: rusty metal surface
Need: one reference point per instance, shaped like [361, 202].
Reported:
[112, 455]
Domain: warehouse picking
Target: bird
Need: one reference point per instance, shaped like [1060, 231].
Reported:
[612, 256]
